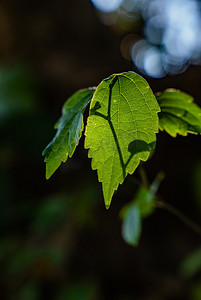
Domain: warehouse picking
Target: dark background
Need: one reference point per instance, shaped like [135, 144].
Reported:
[57, 239]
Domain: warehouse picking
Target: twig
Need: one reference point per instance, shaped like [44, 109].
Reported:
[182, 217]
[160, 203]
[144, 177]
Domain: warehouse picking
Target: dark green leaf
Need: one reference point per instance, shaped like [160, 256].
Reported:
[179, 115]
[121, 128]
[69, 130]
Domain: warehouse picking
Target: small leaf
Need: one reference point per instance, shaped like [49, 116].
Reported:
[121, 128]
[145, 199]
[69, 130]
[142, 206]
[131, 227]
[179, 114]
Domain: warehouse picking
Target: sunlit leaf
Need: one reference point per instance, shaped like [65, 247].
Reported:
[179, 114]
[69, 130]
[121, 128]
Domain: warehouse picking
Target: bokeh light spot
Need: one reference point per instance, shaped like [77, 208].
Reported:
[153, 65]
[148, 59]
[107, 6]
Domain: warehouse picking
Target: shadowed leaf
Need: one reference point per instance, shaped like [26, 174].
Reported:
[179, 115]
[69, 130]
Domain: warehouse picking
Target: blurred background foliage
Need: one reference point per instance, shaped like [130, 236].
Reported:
[57, 240]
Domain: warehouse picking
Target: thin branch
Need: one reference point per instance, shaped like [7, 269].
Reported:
[144, 177]
[182, 217]
[160, 203]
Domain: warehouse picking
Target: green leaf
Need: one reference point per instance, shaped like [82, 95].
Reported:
[145, 199]
[142, 206]
[69, 130]
[133, 213]
[132, 223]
[179, 114]
[121, 128]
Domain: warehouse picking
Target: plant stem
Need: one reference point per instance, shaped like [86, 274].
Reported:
[162, 204]
[182, 217]
[144, 177]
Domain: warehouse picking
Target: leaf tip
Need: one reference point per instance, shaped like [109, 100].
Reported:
[44, 152]
[107, 206]
[47, 174]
